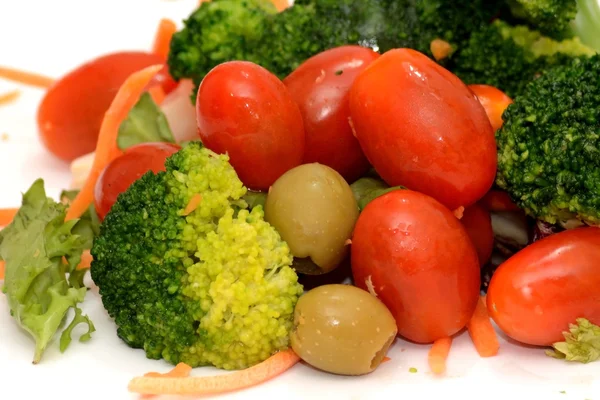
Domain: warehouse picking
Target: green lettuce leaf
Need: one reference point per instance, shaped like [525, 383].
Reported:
[582, 343]
[145, 123]
[368, 189]
[88, 226]
[36, 280]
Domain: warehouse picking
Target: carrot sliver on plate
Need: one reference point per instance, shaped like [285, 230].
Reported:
[162, 40]
[438, 354]
[207, 385]
[482, 332]
[2, 269]
[26, 78]
[86, 260]
[7, 215]
[9, 97]
[106, 148]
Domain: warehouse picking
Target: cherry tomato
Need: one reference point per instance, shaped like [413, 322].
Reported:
[72, 110]
[244, 110]
[494, 101]
[422, 128]
[414, 254]
[538, 292]
[126, 169]
[478, 223]
[320, 86]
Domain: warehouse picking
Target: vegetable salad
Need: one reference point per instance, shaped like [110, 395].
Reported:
[256, 191]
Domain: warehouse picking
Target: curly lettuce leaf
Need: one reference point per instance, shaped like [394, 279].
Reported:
[145, 123]
[40, 249]
[368, 189]
[582, 343]
[88, 225]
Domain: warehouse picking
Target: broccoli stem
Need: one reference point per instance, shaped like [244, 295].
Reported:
[586, 24]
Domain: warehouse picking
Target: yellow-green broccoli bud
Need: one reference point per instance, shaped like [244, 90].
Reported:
[189, 273]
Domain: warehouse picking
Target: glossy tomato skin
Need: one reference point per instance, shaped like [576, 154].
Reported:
[538, 292]
[247, 112]
[320, 87]
[478, 222]
[421, 127]
[494, 101]
[126, 169]
[71, 112]
[418, 259]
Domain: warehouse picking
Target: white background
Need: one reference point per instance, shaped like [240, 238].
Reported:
[53, 36]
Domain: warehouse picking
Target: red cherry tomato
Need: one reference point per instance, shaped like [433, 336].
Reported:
[418, 259]
[320, 86]
[538, 292]
[494, 101]
[72, 110]
[126, 169]
[498, 200]
[422, 128]
[478, 223]
[244, 110]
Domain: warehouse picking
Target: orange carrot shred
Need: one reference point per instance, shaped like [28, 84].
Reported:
[158, 94]
[162, 40]
[193, 204]
[106, 148]
[206, 385]
[181, 370]
[482, 332]
[385, 359]
[86, 260]
[7, 215]
[2, 269]
[9, 97]
[459, 212]
[438, 354]
[281, 4]
[440, 49]
[26, 78]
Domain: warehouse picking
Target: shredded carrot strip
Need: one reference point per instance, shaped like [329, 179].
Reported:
[26, 78]
[106, 148]
[459, 212]
[438, 354]
[281, 4]
[206, 385]
[9, 97]
[7, 215]
[2, 269]
[440, 49]
[193, 204]
[385, 359]
[482, 332]
[86, 260]
[158, 94]
[162, 40]
[181, 370]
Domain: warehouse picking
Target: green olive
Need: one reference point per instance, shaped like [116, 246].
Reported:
[342, 329]
[314, 210]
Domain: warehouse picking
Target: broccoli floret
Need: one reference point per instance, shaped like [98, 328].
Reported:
[218, 31]
[551, 17]
[509, 57]
[204, 285]
[548, 148]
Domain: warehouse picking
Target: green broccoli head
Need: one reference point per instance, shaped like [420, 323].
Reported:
[218, 31]
[509, 57]
[548, 148]
[551, 17]
[205, 285]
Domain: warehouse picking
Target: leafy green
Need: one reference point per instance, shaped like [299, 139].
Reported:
[33, 246]
[254, 199]
[65, 338]
[88, 225]
[368, 189]
[582, 343]
[586, 26]
[144, 123]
